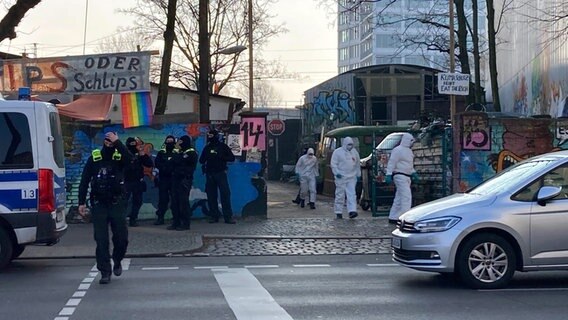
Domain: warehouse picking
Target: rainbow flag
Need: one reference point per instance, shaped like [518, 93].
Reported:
[136, 109]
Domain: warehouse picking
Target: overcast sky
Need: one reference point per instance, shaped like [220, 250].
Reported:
[57, 28]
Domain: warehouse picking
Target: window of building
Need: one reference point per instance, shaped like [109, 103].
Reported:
[386, 41]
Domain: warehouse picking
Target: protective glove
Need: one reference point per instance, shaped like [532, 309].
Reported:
[414, 177]
[388, 179]
[338, 176]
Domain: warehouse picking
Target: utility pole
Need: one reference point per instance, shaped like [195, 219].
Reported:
[452, 60]
[204, 61]
[251, 73]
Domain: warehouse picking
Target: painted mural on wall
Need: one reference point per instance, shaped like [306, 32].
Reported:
[540, 88]
[334, 106]
[511, 141]
[85, 139]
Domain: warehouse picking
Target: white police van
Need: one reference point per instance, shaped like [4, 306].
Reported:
[32, 177]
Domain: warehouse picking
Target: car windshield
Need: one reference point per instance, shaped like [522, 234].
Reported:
[510, 177]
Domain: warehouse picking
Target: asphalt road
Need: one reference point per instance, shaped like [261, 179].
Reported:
[276, 287]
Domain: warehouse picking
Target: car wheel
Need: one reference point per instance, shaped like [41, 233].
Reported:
[17, 250]
[365, 205]
[6, 248]
[486, 261]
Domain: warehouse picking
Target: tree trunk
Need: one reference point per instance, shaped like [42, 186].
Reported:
[12, 19]
[476, 57]
[493, 55]
[463, 56]
[169, 35]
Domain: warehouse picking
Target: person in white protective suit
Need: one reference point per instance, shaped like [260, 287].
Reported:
[400, 169]
[307, 170]
[346, 169]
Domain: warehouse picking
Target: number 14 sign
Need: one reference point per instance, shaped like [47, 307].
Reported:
[253, 133]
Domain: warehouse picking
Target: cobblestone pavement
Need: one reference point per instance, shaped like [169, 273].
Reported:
[292, 246]
[308, 236]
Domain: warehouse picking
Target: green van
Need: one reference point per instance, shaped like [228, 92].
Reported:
[363, 141]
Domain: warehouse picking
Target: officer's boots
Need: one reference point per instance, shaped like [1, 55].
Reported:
[312, 205]
[159, 221]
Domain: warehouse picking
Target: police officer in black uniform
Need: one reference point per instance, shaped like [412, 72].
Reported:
[165, 165]
[214, 159]
[185, 162]
[104, 171]
[134, 177]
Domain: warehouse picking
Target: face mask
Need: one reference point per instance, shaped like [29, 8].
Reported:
[170, 146]
[107, 152]
[133, 149]
[349, 147]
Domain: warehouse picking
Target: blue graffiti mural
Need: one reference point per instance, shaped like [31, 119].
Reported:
[240, 173]
[330, 106]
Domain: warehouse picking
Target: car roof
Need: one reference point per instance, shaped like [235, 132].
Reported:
[555, 155]
[357, 131]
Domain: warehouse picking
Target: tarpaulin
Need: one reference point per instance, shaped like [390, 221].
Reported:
[91, 107]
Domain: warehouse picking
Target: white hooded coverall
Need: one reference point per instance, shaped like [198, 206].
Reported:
[401, 167]
[345, 163]
[307, 169]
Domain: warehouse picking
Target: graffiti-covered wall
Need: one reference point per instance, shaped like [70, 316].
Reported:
[532, 70]
[247, 188]
[330, 103]
[486, 146]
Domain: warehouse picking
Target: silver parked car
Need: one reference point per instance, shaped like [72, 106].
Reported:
[517, 220]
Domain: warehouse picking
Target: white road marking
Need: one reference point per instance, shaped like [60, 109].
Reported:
[159, 268]
[211, 267]
[382, 265]
[311, 265]
[524, 289]
[69, 308]
[66, 311]
[125, 264]
[84, 286]
[260, 266]
[257, 304]
[73, 302]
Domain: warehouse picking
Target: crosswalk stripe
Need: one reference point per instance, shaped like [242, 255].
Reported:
[257, 304]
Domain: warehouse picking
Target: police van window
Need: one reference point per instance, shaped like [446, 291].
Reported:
[16, 143]
[57, 143]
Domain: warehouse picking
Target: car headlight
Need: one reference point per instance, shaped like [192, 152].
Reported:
[436, 224]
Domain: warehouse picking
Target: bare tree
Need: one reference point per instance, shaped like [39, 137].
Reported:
[13, 17]
[227, 28]
[169, 38]
[125, 40]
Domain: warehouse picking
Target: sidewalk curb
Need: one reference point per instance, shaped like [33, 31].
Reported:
[223, 236]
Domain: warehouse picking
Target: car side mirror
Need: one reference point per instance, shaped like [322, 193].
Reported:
[546, 193]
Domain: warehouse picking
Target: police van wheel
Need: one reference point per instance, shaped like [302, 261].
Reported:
[6, 248]
[17, 250]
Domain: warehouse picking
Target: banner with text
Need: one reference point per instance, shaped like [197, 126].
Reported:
[100, 73]
[453, 83]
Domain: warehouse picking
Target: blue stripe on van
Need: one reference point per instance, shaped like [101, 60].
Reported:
[12, 199]
[18, 176]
